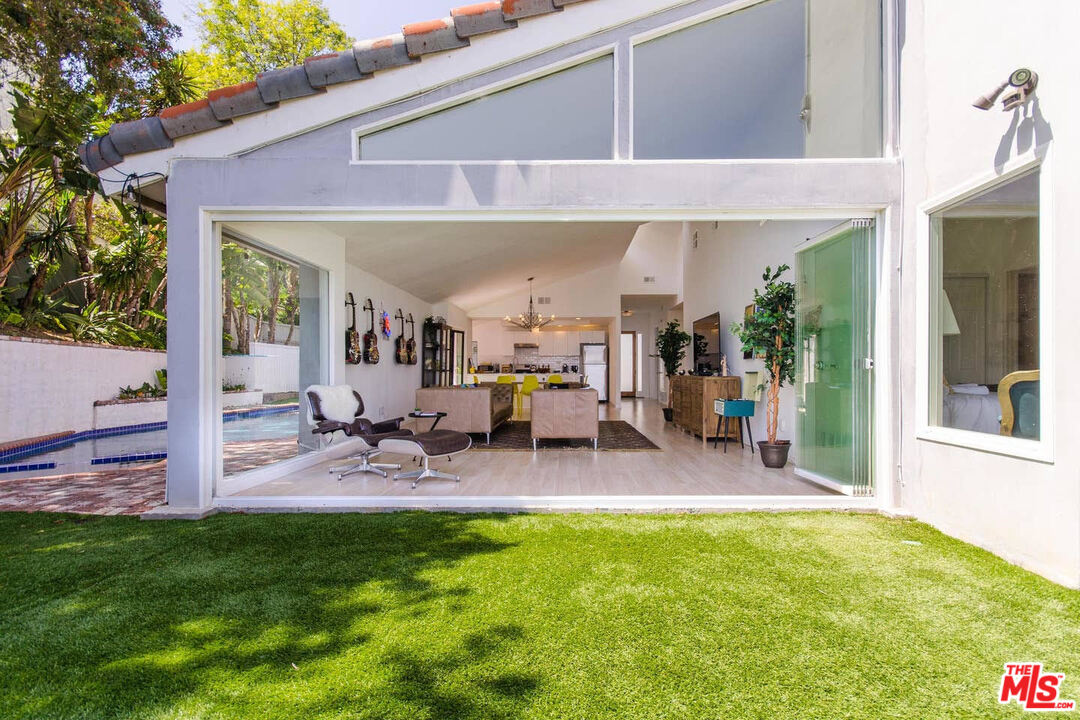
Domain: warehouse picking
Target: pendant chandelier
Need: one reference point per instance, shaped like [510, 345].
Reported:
[531, 320]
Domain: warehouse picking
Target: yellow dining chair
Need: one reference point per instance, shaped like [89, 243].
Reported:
[554, 379]
[530, 383]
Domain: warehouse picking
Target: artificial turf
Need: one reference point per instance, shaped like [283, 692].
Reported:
[414, 615]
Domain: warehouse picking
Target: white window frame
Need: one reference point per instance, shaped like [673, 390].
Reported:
[929, 388]
[358, 133]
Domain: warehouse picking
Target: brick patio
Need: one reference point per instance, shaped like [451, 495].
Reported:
[125, 491]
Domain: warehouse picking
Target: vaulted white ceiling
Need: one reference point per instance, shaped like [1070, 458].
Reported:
[473, 263]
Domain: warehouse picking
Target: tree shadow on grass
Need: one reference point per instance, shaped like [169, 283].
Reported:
[427, 686]
[248, 615]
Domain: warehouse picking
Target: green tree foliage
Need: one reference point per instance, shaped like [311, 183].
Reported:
[241, 38]
[770, 332]
[81, 65]
[114, 49]
[256, 289]
[36, 166]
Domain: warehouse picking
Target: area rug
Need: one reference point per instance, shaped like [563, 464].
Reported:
[615, 435]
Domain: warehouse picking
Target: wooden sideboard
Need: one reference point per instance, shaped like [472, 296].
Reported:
[692, 403]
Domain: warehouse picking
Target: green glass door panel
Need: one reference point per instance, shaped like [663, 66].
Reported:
[833, 343]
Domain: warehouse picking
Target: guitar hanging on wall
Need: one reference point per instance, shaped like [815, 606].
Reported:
[353, 353]
[410, 346]
[371, 338]
[401, 353]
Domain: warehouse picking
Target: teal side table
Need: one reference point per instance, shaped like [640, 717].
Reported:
[741, 410]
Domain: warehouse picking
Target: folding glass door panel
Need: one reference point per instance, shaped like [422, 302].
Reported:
[833, 380]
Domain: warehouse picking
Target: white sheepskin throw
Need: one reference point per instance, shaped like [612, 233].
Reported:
[337, 402]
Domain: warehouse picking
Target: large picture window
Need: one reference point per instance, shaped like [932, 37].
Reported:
[569, 115]
[778, 79]
[985, 312]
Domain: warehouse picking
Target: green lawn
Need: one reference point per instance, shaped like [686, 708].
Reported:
[807, 615]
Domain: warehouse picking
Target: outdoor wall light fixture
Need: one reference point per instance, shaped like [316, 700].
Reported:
[1021, 84]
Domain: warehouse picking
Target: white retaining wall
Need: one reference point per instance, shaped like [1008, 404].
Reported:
[156, 410]
[48, 386]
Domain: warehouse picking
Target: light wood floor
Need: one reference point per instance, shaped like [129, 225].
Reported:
[682, 467]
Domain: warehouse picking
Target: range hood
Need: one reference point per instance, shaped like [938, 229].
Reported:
[526, 345]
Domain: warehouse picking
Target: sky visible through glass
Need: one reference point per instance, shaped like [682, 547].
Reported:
[360, 18]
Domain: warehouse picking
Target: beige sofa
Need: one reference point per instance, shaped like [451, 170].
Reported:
[565, 414]
[469, 410]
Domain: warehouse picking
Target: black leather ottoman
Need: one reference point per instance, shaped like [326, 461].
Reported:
[437, 443]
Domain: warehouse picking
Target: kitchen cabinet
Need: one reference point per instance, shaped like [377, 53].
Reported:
[592, 336]
[559, 343]
[547, 343]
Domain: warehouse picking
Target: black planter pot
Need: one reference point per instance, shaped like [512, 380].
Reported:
[774, 456]
[669, 413]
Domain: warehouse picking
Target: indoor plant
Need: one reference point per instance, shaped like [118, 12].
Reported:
[769, 333]
[671, 345]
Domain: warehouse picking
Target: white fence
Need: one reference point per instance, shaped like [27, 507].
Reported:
[48, 387]
[270, 368]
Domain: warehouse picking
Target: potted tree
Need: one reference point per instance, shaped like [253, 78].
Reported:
[769, 333]
[671, 345]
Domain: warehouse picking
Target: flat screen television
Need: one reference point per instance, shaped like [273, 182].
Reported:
[706, 342]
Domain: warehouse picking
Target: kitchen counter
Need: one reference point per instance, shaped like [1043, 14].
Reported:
[520, 376]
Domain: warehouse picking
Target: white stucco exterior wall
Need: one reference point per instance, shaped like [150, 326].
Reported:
[1024, 510]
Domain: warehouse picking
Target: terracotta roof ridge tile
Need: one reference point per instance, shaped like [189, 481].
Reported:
[272, 86]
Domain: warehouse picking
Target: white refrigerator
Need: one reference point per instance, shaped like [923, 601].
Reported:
[594, 364]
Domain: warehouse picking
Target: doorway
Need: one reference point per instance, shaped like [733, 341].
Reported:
[833, 342]
[457, 352]
[629, 364]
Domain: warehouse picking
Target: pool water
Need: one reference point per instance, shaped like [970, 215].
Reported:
[102, 453]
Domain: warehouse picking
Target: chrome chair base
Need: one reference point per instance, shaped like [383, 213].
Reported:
[427, 473]
[364, 466]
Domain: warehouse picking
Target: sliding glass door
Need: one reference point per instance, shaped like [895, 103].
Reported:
[833, 366]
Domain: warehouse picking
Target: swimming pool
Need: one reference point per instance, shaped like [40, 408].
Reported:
[99, 449]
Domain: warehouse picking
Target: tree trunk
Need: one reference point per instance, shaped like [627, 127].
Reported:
[774, 403]
[131, 310]
[41, 274]
[227, 321]
[294, 293]
[7, 261]
[82, 247]
[154, 297]
[275, 301]
[774, 393]
[243, 337]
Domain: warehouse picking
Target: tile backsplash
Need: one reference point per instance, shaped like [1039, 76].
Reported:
[527, 357]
